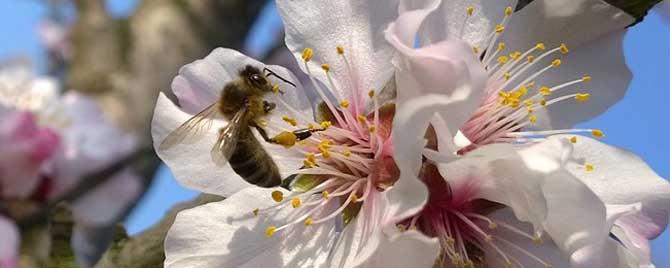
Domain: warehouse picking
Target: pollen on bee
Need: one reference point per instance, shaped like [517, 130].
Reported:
[285, 138]
[597, 133]
[573, 139]
[344, 104]
[307, 54]
[588, 167]
[277, 196]
[582, 97]
[270, 231]
[296, 202]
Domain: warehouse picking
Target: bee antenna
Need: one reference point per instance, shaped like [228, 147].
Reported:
[270, 72]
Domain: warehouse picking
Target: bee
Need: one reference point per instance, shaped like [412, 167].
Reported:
[242, 103]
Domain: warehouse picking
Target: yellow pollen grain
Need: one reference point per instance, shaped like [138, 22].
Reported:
[573, 139]
[325, 67]
[503, 59]
[470, 10]
[564, 49]
[296, 202]
[556, 63]
[361, 118]
[597, 133]
[501, 46]
[346, 152]
[290, 120]
[500, 28]
[344, 104]
[309, 221]
[371, 93]
[586, 79]
[277, 196]
[545, 91]
[588, 167]
[582, 97]
[286, 138]
[532, 119]
[270, 231]
[256, 211]
[530, 59]
[307, 54]
[325, 195]
[326, 124]
[340, 50]
[509, 11]
[275, 88]
[540, 46]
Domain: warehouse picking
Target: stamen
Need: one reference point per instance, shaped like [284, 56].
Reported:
[270, 231]
[277, 196]
[588, 167]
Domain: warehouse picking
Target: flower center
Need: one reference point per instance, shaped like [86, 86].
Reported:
[343, 163]
[462, 226]
[512, 96]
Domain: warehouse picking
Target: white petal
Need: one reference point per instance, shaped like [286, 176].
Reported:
[449, 22]
[227, 234]
[106, 203]
[9, 248]
[356, 26]
[408, 249]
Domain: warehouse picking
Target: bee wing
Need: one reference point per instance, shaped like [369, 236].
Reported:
[225, 145]
[192, 130]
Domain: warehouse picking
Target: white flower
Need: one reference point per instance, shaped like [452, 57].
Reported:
[345, 200]
[543, 180]
[85, 142]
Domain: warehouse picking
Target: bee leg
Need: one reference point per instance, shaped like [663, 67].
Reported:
[268, 106]
[263, 133]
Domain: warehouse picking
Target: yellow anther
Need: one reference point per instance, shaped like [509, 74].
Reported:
[540, 46]
[475, 50]
[564, 49]
[340, 50]
[573, 139]
[371, 93]
[275, 88]
[372, 129]
[509, 11]
[270, 231]
[501, 46]
[361, 118]
[493, 225]
[346, 152]
[503, 59]
[307, 54]
[588, 167]
[586, 79]
[325, 194]
[597, 133]
[516, 55]
[325, 152]
[545, 91]
[285, 138]
[325, 67]
[507, 76]
[582, 97]
[543, 102]
[537, 239]
[530, 59]
[530, 109]
[326, 124]
[296, 202]
[499, 28]
[309, 221]
[310, 160]
[530, 85]
[344, 104]
[556, 63]
[470, 10]
[532, 119]
[256, 211]
[528, 102]
[310, 126]
[290, 120]
[354, 198]
[277, 196]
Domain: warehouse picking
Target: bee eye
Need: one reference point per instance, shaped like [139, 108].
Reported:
[257, 80]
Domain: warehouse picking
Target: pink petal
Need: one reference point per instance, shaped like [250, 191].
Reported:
[9, 244]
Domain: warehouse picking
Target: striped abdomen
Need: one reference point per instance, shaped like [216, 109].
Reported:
[253, 164]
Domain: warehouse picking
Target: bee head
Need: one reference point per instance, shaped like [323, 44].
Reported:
[255, 78]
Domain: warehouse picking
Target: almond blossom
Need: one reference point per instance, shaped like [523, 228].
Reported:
[49, 142]
[504, 192]
[343, 195]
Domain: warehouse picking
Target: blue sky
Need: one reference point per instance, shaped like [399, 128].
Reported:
[638, 123]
